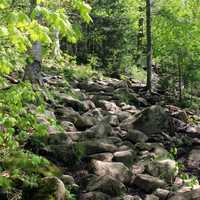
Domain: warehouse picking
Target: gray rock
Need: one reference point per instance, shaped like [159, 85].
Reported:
[76, 104]
[102, 157]
[129, 197]
[126, 94]
[137, 168]
[108, 106]
[102, 129]
[67, 114]
[117, 170]
[151, 197]
[94, 196]
[155, 150]
[50, 188]
[148, 183]
[193, 160]
[165, 169]
[67, 180]
[113, 120]
[181, 115]
[151, 120]
[136, 136]
[97, 146]
[126, 157]
[68, 126]
[106, 184]
[122, 115]
[191, 195]
[162, 193]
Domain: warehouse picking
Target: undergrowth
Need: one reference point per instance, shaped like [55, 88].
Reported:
[21, 168]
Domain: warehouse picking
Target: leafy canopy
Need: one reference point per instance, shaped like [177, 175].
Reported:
[20, 28]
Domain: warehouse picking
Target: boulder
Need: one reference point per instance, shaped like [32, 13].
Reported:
[181, 115]
[69, 101]
[67, 180]
[129, 96]
[130, 197]
[191, 195]
[193, 160]
[94, 196]
[97, 113]
[113, 120]
[102, 129]
[50, 188]
[148, 183]
[137, 168]
[92, 86]
[151, 197]
[155, 150]
[117, 170]
[108, 106]
[126, 157]
[60, 153]
[122, 115]
[68, 114]
[102, 157]
[97, 146]
[162, 193]
[106, 184]
[68, 126]
[152, 120]
[57, 139]
[136, 136]
[165, 169]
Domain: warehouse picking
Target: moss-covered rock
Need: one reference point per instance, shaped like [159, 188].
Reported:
[50, 188]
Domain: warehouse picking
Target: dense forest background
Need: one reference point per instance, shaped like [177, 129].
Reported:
[53, 48]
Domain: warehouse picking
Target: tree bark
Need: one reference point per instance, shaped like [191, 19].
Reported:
[33, 70]
[140, 36]
[149, 43]
[180, 79]
[57, 51]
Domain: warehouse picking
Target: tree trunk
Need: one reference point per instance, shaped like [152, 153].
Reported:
[149, 44]
[57, 52]
[33, 70]
[179, 79]
[140, 36]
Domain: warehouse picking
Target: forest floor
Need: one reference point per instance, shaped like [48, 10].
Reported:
[116, 142]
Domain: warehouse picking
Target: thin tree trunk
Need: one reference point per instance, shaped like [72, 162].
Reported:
[179, 79]
[140, 36]
[33, 70]
[57, 52]
[149, 44]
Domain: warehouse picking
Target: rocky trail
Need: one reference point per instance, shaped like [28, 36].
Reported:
[118, 143]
